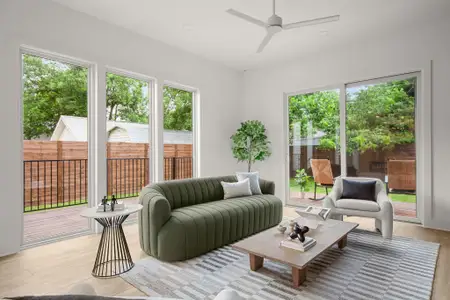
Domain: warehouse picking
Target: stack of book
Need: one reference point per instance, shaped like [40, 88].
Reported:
[299, 246]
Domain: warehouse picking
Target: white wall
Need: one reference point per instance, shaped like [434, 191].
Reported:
[413, 51]
[47, 25]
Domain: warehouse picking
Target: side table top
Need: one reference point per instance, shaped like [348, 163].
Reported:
[93, 213]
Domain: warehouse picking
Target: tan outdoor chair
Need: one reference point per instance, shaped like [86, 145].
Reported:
[322, 173]
[401, 174]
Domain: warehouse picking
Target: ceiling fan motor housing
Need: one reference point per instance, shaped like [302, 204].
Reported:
[275, 20]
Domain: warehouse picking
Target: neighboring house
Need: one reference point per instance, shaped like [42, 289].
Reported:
[75, 129]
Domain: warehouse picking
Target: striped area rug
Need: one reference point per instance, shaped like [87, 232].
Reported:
[368, 268]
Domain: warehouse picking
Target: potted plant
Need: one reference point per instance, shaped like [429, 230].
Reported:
[250, 143]
[302, 179]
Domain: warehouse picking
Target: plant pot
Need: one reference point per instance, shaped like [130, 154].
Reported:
[302, 195]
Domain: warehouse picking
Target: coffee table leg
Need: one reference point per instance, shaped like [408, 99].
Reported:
[298, 276]
[256, 262]
[342, 242]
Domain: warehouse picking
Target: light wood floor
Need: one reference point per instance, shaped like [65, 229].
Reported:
[55, 268]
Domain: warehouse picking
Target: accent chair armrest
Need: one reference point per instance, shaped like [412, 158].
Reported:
[384, 202]
[330, 200]
[267, 187]
[155, 213]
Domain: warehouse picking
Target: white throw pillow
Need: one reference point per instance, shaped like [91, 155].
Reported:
[236, 189]
[254, 181]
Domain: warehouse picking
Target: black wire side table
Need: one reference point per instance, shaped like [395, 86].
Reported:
[113, 255]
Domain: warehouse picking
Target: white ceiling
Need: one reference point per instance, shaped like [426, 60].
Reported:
[202, 26]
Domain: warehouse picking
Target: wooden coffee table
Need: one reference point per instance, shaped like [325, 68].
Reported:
[266, 244]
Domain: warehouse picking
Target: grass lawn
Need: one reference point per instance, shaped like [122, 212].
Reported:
[321, 190]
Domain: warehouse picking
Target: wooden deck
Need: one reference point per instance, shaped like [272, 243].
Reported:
[56, 223]
[403, 209]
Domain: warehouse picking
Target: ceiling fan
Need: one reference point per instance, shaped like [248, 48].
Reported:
[275, 24]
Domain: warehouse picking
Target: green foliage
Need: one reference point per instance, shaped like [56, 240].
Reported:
[250, 143]
[378, 116]
[316, 112]
[177, 109]
[302, 179]
[52, 89]
[125, 99]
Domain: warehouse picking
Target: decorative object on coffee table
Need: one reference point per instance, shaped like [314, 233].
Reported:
[113, 256]
[281, 228]
[266, 244]
[299, 232]
[313, 216]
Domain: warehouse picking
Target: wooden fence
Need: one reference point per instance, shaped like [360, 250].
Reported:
[372, 163]
[55, 173]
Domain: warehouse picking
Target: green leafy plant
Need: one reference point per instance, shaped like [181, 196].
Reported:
[302, 179]
[250, 143]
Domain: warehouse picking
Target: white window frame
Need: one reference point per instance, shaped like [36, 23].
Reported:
[195, 124]
[92, 136]
[422, 134]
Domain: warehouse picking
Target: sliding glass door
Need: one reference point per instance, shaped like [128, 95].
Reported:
[380, 137]
[313, 134]
[374, 136]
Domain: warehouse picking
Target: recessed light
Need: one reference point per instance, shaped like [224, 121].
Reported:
[324, 32]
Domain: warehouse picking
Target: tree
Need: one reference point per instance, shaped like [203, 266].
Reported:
[377, 116]
[250, 143]
[52, 89]
[177, 109]
[380, 116]
[316, 112]
[126, 99]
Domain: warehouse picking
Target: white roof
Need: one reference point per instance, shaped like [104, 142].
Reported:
[137, 133]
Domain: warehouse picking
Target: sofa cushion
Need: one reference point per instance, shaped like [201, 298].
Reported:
[363, 190]
[200, 228]
[358, 204]
[236, 189]
[253, 177]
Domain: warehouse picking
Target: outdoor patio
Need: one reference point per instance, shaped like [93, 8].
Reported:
[403, 209]
[55, 223]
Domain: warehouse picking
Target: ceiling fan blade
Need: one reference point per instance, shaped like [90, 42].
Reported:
[246, 17]
[265, 41]
[312, 22]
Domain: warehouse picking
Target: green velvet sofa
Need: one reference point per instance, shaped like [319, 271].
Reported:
[182, 219]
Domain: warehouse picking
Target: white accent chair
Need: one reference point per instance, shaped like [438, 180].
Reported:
[381, 210]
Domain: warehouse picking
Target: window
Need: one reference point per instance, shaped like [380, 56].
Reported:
[178, 133]
[128, 136]
[55, 147]
[380, 131]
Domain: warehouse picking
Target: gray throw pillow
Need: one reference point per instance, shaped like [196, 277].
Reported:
[236, 189]
[254, 181]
